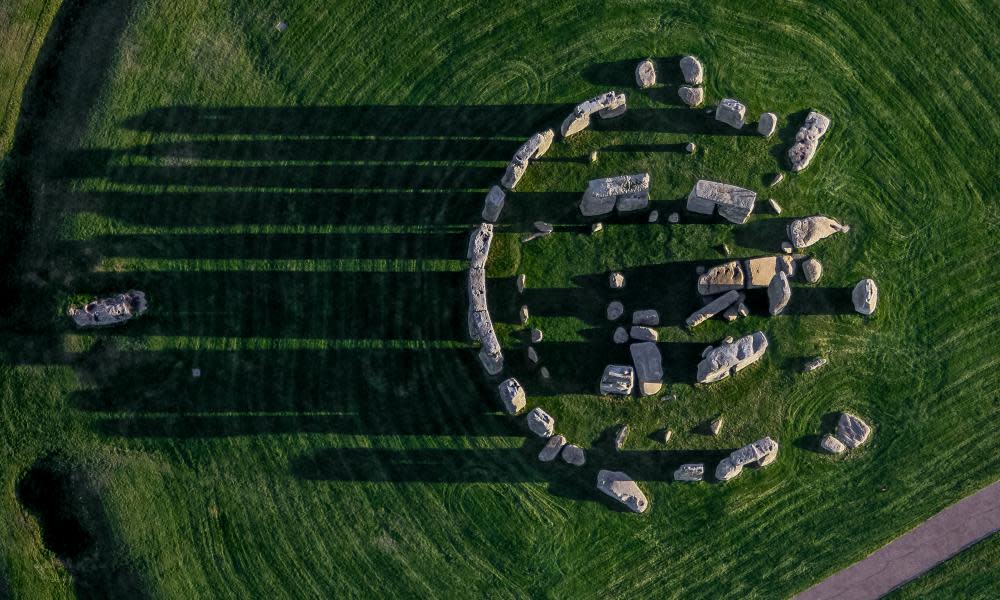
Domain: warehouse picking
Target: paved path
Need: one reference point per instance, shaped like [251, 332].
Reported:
[910, 555]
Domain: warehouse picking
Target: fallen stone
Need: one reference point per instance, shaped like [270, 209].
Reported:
[852, 431]
[760, 271]
[732, 112]
[602, 195]
[520, 282]
[654, 216]
[865, 296]
[690, 472]
[643, 334]
[645, 74]
[541, 423]
[112, 310]
[832, 445]
[616, 281]
[807, 231]
[493, 204]
[779, 292]
[607, 105]
[807, 140]
[574, 455]
[735, 203]
[523, 314]
[713, 308]
[648, 367]
[767, 124]
[692, 70]
[622, 488]
[649, 317]
[512, 395]
[727, 470]
[774, 206]
[621, 435]
[552, 448]
[615, 310]
[543, 227]
[812, 269]
[596, 227]
[814, 364]
[729, 358]
[532, 355]
[536, 336]
[715, 427]
[618, 380]
[722, 278]
[620, 336]
[674, 218]
[776, 179]
[479, 245]
[692, 96]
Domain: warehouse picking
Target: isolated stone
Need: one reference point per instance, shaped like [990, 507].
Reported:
[536, 336]
[552, 448]
[618, 380]
[645, 74]
[654, 216]
[727, 470]
[779, 292]
[715, 427]
[807, 140]
[544, 372]
[622, 488]
[643, 334]
[523, 314]
[722, 278]
[767, 124]
[281, 26]
[852, 431]
[479, 245]
[648, 317]
[541, 423]
[512, 395]
[729, 358]
[574, 455]
[690, 472]
[865, 296]
[713, 308]
[807, 231]
[690, 147]
[111, 310]
[629, 192]
[832, 444]
[776, 179]
[620, 336]
[532, 355]
[667, 435]
[732, 112]
[735, 204]
[648, 367]
[520, 282]
[615, 310]
[760, 271]
[621, 435]
[593, 156]
[596, 227]
[812, 270]
[692, 70]
[814, 364]
[616, 280]
[493, 204]
[674, 218]
[692, 96]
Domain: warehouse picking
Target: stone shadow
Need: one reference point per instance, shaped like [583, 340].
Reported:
[828, 424]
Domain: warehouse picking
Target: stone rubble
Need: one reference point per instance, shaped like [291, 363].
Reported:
[807, 231]
[645, 74]
[648, 367]
[732, 112]
[690, 472]
[493, 204]
[112, 310]
[607, 105]
[865, 297]
[622, 488]
[735, 203]
[618, 380]
[552, 448]
[807, 140]
[729, 358]
[628, 192]
[541, 423]
[512, 395]
[779, 292]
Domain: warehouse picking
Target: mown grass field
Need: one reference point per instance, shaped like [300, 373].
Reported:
[296, 206]
[971, 574]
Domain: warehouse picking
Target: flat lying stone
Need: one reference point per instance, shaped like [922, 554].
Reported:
[722, 278]
[713, 308]
[607, 105]
[735, 204]
[692, 96]
[620, 336]
[552, 448]
[648, 367]
[512, 395]
[615, 310]
[618, 380]
[865, 296]
[112, 310]
[807, 231]
[479, 245]
[727, 470]
[852, 431]
[648, 317]
[812, 270]
[616, 281]
[574, 455]
[776, 179]
[732, 112]
[644, 334]
[760, 271]
[543, 227]
[622, 488]
[690, 472]
[541, 423]
[628, 192]
[832, 445]
[814, 364]
[645, 74]
[807, 140]
[729, 358]
[493, 204]
[692, 70]
[779, 292]
[768, 124]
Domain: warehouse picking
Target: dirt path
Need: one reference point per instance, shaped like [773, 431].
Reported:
[930, 543]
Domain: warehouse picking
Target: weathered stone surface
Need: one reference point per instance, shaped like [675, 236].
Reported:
[812, 269]
[722, 278]
[512, 395]
[648, 317]
[732, 112]
[776, 179]
[615, 310]
[520, 282]
[735, 203]
[731, 313]
[618, 380]
[574, 455]
[493, 204]
[523, 314]
[552, 448]
[536, 336]
[479, 245]
[832, 445]
[512, 176]
[727, 470]
[692, 96]
[852, 431]
[622, 488]
[644, 334]
[620, 336]
[760, 271]
[490, 355]
[674, 218]
[774, 205]
[713, 308]
[616, 280]
[112, 310]
[480, 325]
[807, 140]
[532, 355]
[690, 472]
[616, 109]
[607, 105]
[654, 216]
[807, 231]
[541, 423]
[648, 367]
[621, 435]
[767, 124]
[692, 70]
[814, 364]
[629, 191]
[645, 74]
[779, 292]
[865, 296]
[536, 146]
[729, 358]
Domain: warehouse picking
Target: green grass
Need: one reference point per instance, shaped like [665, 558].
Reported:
[296, 207]
[971, 574]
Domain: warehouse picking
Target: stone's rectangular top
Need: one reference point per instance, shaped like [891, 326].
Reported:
[760, 271]
[479, 245]
[602, 194]
[648, 366]
[735, 203]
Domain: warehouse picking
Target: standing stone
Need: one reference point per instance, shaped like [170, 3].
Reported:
[479, 245]
[865, 296]
[618, 380]
[716, 425]
[648, 367]
[645, 74]
[643, 334]
[807, 140]
[574, 455]
[544, 372]
[596, 227]
[512, 396]
[620, 336]
[616, 281]
[730, 358]
[674, 218]
[532, 355]
[852, 431]
[690, 472]
[615, 310]
[732, 112]
[541, 423]
[593, 157]
[692, 96]
[812, 269]
[649, 317]
[622, 488]
[767, 124]
[629, 192]
[621, 435]
[692, 70]
[689, 147]
[832, 444]
[654, 216]
[667, 435]
[552, 448]
[779, 292]
[536, 336]
[776, 179]
[807, 231]
[521, 280]
[523, 314]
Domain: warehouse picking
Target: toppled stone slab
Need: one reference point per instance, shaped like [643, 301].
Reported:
[479, 245]
[536, 146]
[690, 472]
[735, 203]
[814, 364]
[648, 367]
[541, 423]
[692, 96]
[732, 112]
[111, 310]
[628, 192]
[852, 431]
[692, 70]
[648, 317]
[722, 278]
[727, 470]
[616, 280]
[812, 270]
[618, 380]
[832, 445]
[760, 271]
[865, 296]
[512, 395]
[552, 448]
[807, 140]
[574, 455]
[607, 105]
[807, 231]
[622, 488]
[768, 124]
[645, 74]
[713, 308]
[644, 334]
[779, 292]
[493, 204]
[615, 310]
[729, 358]
[621, 435]
[620, 335]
